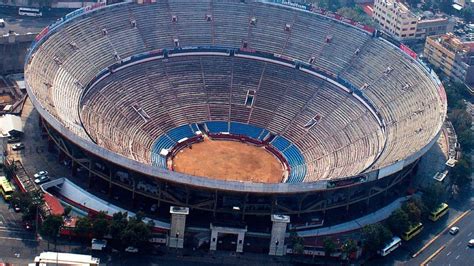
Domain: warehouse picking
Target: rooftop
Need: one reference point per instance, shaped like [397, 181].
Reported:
[66, 259]
[453, 43]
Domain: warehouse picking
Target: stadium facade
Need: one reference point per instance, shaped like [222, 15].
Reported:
[118, 87]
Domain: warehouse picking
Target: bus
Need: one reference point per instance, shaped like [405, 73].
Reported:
[412, 231]
[394, 244]
[6, 188]
[442, 209]
[32, 12]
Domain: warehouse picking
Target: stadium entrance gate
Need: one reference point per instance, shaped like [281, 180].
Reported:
[240, 232]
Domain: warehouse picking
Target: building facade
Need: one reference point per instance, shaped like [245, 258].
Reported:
[452, 56]
[401, 23]
[434, 26]
[395, 18]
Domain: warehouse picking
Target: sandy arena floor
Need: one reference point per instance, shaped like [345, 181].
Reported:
[229, 160]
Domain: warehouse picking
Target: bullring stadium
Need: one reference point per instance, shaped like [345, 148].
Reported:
[235, 108]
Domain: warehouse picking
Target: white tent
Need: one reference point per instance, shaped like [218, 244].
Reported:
[9, 123]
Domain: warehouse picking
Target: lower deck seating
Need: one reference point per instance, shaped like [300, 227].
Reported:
[297, 174]
[217, 126]
[163, 142]
[245, 130]
[181, 132]
[280, 143]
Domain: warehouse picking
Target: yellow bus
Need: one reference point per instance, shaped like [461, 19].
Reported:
[442, 209]
[412, 231]
[6, 188]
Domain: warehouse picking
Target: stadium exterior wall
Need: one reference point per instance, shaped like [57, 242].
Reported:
[212, 199]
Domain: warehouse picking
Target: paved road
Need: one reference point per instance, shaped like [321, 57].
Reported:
[456, 251]
[15, 241]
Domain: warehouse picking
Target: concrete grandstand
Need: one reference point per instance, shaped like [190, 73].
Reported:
[348, 113]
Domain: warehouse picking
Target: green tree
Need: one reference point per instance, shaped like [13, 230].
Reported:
[467, 15]
[413, 3]
[67, 211]
[461, 119]
[461, 173]
[348, 247]
[357, 14]
[398, 221]
[466, 139]
[433, 196]
[446, 6]
[375, 236]
[329, 246]
[413, 210]
[100, 225]
[428, 4]
[136, 233]
[83, 225]
[118, 224]
[50, 227]
[29, 203]
[331, 5]
[297, 243]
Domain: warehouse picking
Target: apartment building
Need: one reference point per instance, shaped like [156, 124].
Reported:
[434, 25]
[452, 56]
[395, 18]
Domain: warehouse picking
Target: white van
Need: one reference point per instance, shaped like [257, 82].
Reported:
[2, 23]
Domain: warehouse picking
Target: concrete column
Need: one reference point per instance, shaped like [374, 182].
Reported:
[277, 241]
[214, 235]
[178, 225]
[240, 242]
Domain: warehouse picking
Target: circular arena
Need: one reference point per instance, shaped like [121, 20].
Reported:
[234, 106]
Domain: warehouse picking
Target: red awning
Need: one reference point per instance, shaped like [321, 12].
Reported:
[53, 204]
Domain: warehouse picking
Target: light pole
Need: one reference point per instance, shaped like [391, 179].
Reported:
[177, 240]
[276, 247]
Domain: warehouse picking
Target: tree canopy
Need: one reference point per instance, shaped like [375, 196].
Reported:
[28, 203]
[100, 225]
[433, 196]
[398, 221]
[117, 224]
[136, 233]
[413, 210]
[329, 246]
[375, 236]
[51, 225]
[83, 225]
[297, 243]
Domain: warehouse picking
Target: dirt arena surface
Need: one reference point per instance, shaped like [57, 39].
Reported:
[229, 160]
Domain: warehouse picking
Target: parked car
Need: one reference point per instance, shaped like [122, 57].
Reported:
[41, 173]
[28, 226]
[13, 139]
[2, 23]
[98, 244]
[471, 243]
[16, 207]
[19, 146]
[131, 249]
[41, 179]
[454, 230]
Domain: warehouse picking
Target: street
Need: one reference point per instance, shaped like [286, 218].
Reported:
[15, 241]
